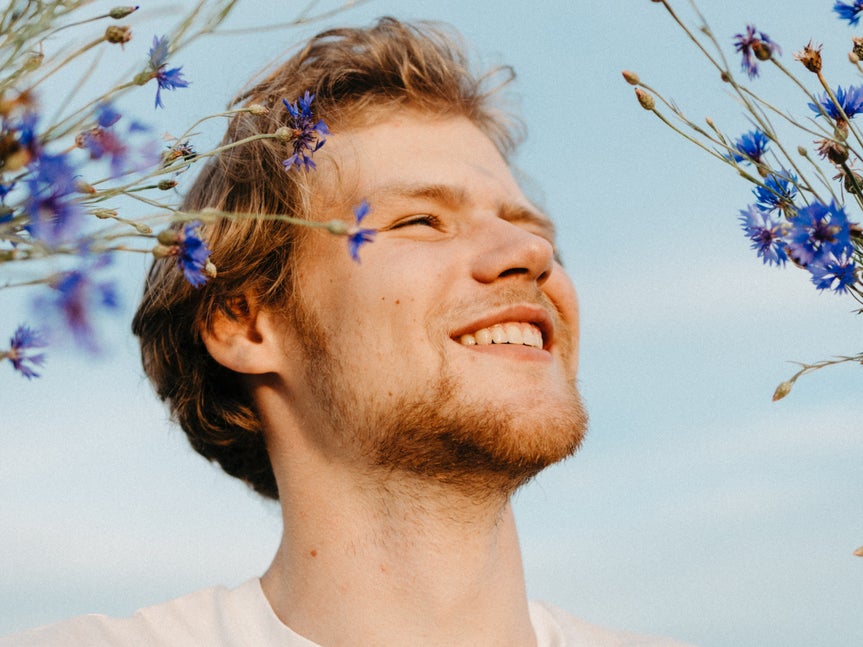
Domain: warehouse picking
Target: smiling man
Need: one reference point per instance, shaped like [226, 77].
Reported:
[392, 406]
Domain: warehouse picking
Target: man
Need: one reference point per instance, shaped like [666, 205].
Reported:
[394, 405]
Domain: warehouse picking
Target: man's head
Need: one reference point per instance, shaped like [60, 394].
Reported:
[374, 356]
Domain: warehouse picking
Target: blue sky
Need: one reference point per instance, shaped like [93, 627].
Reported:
[697, 508]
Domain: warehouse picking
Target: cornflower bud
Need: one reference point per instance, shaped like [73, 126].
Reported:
[210, 269]
[631, 77]
[164, 251]
[104, 214]
[645, 99]
[781, 391]
[168, 237]
[857, 48]
[853, 58]
[166, 185]
[258, 109]
[802, 151]
[84, 187]
[810, 57]
[859, 552]
[284, 134]
[118, 34]
[118, 13]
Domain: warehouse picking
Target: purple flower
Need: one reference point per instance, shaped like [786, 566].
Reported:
[765, 234]
[308, 135]
[24, 339]
[54, 214]
[754, 46]
[849, 11]
[193, 255]
[358, 237]
[851, 101]
[167, 79]
[832, 273]
[751, 147]
[819, 231]
[104, 141]
[77, 297]
[777, 193]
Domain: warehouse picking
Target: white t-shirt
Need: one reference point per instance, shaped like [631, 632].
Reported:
[242, 617]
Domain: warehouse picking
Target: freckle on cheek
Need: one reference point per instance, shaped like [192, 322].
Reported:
[398, 302]
[313, 553]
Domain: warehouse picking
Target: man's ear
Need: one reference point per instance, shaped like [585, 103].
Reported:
[242, 337]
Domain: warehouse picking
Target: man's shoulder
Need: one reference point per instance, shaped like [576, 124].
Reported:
[216, 617]
[556, 628]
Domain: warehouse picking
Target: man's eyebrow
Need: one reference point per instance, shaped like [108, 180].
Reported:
[445, 194]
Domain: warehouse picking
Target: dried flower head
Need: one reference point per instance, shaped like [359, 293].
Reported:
[810, 57]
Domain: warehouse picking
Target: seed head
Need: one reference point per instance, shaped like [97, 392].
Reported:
[810, 57]
[118, 34]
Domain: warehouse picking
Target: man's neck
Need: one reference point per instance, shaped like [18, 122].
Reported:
[396, 564]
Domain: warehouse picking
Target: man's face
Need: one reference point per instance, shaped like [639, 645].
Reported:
[398, 369]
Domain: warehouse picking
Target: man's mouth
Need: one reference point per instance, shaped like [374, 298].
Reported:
[510, 332]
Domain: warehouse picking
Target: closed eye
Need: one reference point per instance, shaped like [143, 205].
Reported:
[424, 219]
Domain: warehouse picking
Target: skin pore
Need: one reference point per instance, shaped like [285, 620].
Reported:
[397, 433]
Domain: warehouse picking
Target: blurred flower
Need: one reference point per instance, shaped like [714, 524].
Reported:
[358, 237]
[751, 147]
[754, 46]
[77, 299]
[837, 274]
[54, 214]
[104, 141]
[818, 231]
[193, 255]
[190, 249]
[24, 339]
[166, 79]
[765, 234]
[849, 11]
[307, 135]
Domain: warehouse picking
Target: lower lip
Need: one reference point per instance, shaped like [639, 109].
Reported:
[514, 351]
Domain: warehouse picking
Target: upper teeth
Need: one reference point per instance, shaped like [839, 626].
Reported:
[506, 333]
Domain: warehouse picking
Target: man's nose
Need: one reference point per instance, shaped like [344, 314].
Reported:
[507, 249]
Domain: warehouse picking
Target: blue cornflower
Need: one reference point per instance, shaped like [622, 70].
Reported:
[849, 11]
[104, 141]
[166, 79]
[754, 46]
[77, 296]
[850, 100]
[751, 147]
[357, 237]
[24, 339]
[5, 189]
[54, 214]
[837, 274]
[765, 234]
[193, 255]
[308, 136]
[818, 231]
[777, 193]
